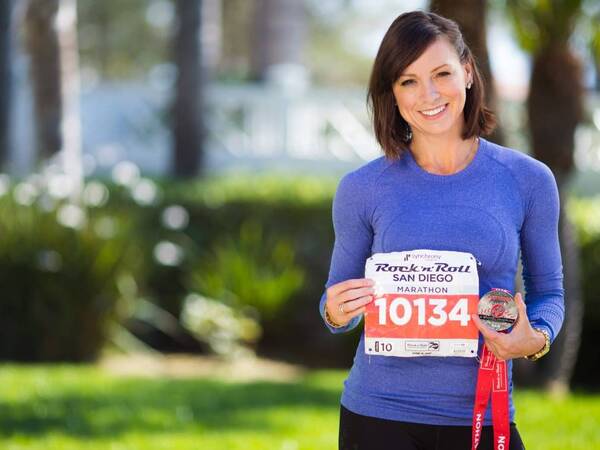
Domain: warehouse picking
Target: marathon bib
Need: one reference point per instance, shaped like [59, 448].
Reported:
[422, 304]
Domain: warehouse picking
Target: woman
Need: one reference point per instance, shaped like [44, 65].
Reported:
[440, 186]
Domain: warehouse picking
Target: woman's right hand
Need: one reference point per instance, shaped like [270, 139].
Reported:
[347, 299]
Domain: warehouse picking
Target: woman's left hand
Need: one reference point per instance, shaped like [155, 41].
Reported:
[521, 341]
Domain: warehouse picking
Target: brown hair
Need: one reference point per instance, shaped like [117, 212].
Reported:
[406, 39]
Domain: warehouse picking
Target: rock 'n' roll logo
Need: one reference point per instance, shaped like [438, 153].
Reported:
[437, 267]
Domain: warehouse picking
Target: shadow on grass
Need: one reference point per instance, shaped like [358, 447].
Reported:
[140, 405]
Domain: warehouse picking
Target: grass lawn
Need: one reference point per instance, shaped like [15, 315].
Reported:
[82, 407]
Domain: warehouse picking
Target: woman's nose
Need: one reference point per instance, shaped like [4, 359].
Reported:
[430, 91]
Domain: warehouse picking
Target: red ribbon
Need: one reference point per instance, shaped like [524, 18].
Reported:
[492, 376]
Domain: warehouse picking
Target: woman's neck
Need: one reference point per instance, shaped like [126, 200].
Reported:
[443, 155]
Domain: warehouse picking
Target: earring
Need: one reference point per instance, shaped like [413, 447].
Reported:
[469, 85]
[407, 133]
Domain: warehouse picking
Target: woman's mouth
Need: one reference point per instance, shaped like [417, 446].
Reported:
[434, 113]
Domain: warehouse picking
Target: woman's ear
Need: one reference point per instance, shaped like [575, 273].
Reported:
[468, 73]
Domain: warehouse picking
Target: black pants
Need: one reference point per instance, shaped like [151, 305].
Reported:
[359, 432]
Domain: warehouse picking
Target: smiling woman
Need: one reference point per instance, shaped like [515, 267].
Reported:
[430, 69]
[431, 101]
[442, 194]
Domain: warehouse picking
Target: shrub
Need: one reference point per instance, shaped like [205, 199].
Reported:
[249, 271]
[585, 213]
[59, 266]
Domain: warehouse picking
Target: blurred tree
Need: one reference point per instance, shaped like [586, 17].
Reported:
[5, 78]
[41, 40]
[279, 35]
[108, 27]
[111, 33]
[555, 107]
[188, 129]
[471, 16]
[51, 39]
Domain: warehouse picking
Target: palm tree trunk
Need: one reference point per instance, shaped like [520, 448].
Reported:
[5, 79]
[187, 127]
[51, 40]
[555, 108]
[471, 16]
[280, 29]
[41, 40]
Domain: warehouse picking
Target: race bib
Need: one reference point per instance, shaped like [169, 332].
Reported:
[422, 304]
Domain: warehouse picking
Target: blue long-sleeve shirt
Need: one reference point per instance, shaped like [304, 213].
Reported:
[504, 202]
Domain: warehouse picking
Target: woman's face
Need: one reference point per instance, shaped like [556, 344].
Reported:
[431, 92]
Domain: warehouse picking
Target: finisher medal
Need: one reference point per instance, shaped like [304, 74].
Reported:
[497, 309]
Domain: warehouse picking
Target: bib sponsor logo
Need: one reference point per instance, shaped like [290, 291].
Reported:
[422, 346]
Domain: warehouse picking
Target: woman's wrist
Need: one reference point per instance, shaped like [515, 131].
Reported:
[543, 339]
[539, 340]
[329, 320]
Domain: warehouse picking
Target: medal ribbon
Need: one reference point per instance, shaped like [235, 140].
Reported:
[492, 377]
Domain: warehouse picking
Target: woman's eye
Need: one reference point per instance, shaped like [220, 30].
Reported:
[409, 82]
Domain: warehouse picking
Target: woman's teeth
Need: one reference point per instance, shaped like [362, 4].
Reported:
[433, 112]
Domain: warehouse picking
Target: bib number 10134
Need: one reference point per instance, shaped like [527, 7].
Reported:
[419, 325]
[436, 312]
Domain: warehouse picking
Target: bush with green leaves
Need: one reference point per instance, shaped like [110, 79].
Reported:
[585, 213]
[291, 213]
[60, 261]
[249, 270]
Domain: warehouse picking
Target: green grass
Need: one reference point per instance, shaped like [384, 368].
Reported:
[82, 407]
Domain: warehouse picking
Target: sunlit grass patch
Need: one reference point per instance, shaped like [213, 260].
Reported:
[82, 407]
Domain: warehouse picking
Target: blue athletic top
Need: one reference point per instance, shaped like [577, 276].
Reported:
[503, 202]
